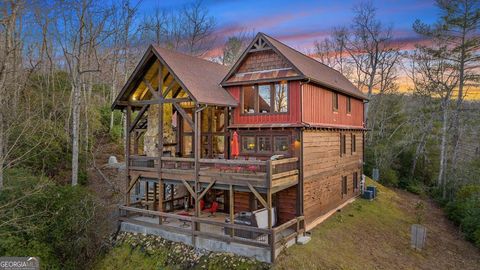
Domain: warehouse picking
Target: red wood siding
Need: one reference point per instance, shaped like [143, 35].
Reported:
[318, 108]
[293, 115]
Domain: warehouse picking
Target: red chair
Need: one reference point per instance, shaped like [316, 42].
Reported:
[213, 209]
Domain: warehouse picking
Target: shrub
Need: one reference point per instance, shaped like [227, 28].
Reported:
[389, 177]
[63, 225]
[464, 210]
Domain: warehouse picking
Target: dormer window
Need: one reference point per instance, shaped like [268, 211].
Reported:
[265, 98]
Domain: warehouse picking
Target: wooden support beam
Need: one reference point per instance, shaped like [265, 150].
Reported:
[132, 183]
[197, 152]
[160, 140]
[127, 153]
[177, 100]
[138, 117]
[269, 208]
[184, 114]
[169, 88]
[232, 210]
[150, 88]
[257, 195]
[206, 189]
[189, 188]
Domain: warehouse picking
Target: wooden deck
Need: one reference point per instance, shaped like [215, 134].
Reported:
[275, 175]
[274, 239]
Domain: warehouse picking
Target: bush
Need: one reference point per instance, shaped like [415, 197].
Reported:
[389, 177]
[63, 225]
[464, 210]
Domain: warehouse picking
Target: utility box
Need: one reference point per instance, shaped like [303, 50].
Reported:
[419, 236]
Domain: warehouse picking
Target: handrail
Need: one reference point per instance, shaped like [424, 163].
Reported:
[284, 160]
[233, 161]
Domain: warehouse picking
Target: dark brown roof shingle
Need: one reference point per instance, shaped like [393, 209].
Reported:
[201, 77]
[316, 71]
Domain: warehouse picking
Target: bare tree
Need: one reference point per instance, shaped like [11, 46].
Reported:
[437, 77]
[458, 29]
[234, 47]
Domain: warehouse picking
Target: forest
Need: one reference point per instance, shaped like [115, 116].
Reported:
[62, 63]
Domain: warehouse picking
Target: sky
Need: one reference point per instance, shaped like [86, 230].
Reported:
[298, 23]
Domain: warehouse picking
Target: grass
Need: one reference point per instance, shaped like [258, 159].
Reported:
[376, 235]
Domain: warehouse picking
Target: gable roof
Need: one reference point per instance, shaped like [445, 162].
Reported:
[309, 68]
[199, 77]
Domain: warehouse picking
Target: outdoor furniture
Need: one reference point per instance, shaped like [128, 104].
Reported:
[213, 209]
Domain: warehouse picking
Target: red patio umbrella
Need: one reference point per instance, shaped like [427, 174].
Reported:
[234, 145]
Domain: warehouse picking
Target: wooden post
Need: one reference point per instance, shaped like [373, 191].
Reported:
[127, 153]
[160, 140]
[232, 210]
[155, 189]
[269, 193]
[197, 126]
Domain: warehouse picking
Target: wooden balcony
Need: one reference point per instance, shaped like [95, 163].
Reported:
[262, 175]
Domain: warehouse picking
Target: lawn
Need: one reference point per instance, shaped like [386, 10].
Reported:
[375, 235]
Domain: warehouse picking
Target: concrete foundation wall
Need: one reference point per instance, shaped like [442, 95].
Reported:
[261, 254]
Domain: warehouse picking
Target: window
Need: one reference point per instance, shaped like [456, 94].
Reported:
[264, 143]
[343, 147]
[249, 99]
[344, 185]
[281, 97]
[349, 106]
[281, 143]
[355, 180]
[248, 144]
[354, 143]
[335, 101]
[265, 98]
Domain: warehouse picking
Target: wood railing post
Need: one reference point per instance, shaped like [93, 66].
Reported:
[127, 153]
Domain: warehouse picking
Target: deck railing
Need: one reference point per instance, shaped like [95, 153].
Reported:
[273, 239]
[258, 173]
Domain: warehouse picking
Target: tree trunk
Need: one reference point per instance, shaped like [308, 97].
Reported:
[75, 132]
[441, 174]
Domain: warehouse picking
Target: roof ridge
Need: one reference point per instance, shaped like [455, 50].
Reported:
[188, 55]
[304, 55]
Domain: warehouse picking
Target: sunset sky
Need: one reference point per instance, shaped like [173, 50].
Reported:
[298, 23]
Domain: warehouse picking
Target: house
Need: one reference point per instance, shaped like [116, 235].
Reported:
[272, 143]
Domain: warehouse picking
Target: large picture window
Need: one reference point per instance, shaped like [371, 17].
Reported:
[268, 144]
[281, 97]
[248, 144]
[249, 99]
[265, 98]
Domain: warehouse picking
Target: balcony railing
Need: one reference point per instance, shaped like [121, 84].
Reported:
[264, 174]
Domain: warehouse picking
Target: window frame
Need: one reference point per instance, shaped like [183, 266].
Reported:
[272, 137]
[245, 150]
[257, 146]
[353, 139]
[275, 137]
[343, 144]
[335, 101]
[355, 181]
[344, 185]
[257, 98]
[349, 106]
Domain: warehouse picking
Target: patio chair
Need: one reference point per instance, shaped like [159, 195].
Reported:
[213, 209]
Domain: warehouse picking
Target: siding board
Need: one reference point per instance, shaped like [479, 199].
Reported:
[317, 108]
